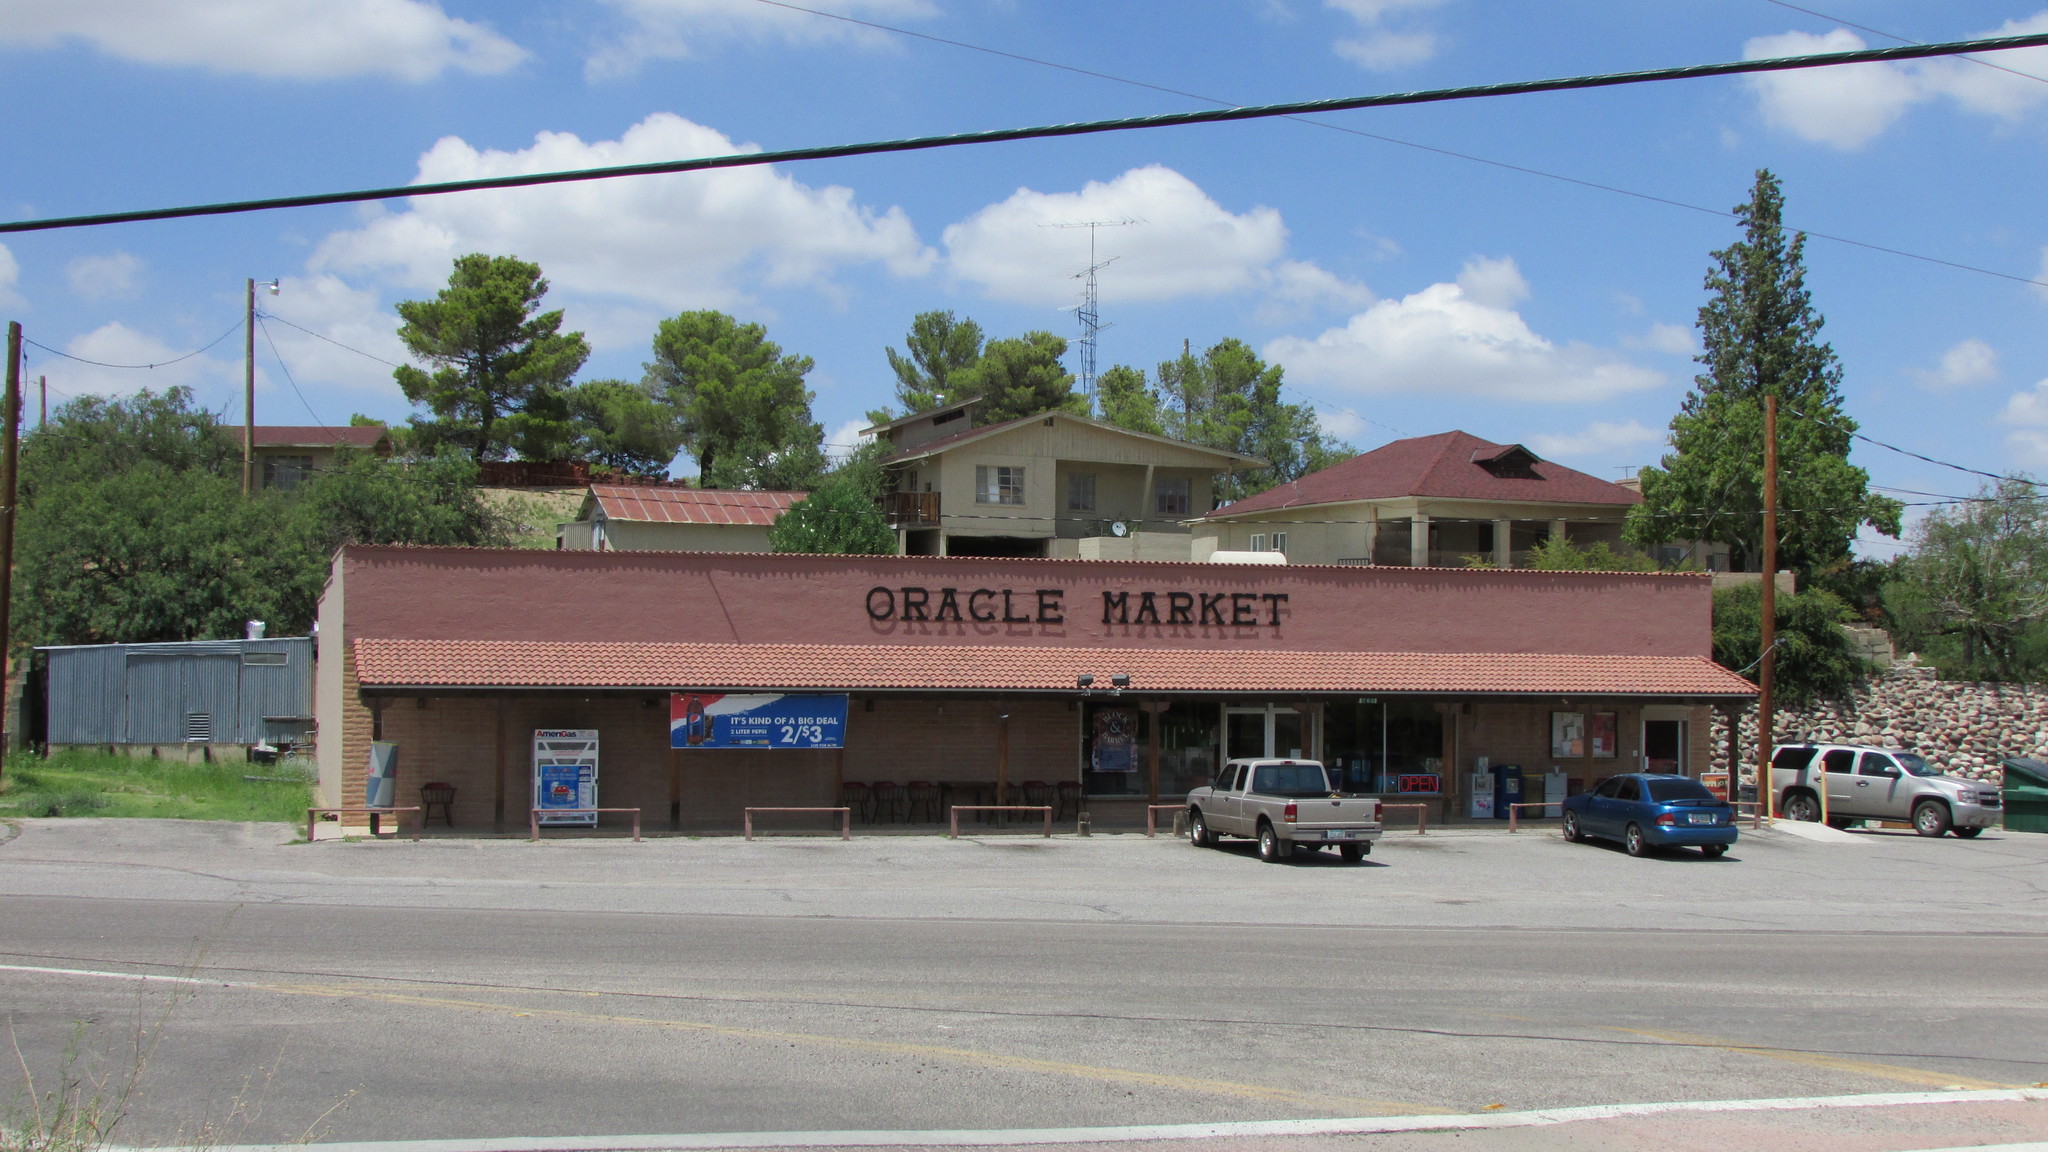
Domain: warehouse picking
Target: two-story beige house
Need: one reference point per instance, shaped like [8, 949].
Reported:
[1425, 502]
[1053, 485]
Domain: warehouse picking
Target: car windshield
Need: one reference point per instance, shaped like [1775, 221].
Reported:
[1915, 765]
[1290, 780]
[1664, 791]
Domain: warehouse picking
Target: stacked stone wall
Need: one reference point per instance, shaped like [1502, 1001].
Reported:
[1964, 728]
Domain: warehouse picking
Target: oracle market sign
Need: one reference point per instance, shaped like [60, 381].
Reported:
[915, 605]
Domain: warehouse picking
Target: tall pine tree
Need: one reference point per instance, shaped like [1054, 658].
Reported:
[939, 347]
[1760, 336]
[745, 413]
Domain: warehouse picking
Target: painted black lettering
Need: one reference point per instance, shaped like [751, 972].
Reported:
[1180, 608]
[1010, 617]
[948, 602]
[1148, 609]
[1273, 601]
[1240, 608]
[1212, 608]
[974, 605]
[915, 601]
[886, 609]
[1050, 611]
[1118, 603]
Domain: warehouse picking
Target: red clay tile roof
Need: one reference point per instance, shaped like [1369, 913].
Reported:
[318, 435]
[492, 664]
[1445, 466]
[691, 505]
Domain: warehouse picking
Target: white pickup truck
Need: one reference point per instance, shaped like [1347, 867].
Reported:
[1287, 806]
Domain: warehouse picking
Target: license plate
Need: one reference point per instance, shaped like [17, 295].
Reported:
[1334, 834]
[1701, 817]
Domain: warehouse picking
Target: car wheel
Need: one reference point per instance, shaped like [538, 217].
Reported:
[1801, 806]
[1713, 851]
[1269, 845]
[1966, 833]
[1634, 840]
[1352, 853]
[1572, 831]
[1198, 832]
[1930, 818]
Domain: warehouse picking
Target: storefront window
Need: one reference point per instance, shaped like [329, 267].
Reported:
[1368, 742]
[1187, 748]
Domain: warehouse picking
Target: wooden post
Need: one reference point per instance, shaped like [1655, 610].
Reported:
[498, 789]
[1002, 753]
[1153, 710]
[10, 452]
[1768, 617]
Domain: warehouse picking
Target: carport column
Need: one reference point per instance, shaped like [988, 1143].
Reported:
[1503, 543]
[1557, 531]
[1153, 709]
[1418, 541]
[675, 790]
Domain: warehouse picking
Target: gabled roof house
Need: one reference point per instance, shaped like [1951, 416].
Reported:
[1427, 501]
[641, 518]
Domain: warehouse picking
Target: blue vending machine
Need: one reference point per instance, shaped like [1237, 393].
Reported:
[1507, 789]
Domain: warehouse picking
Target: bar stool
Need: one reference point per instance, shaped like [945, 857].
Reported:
[860, 798]
[437, 795]
[921, 794]
[889, 801]
[1069, 799]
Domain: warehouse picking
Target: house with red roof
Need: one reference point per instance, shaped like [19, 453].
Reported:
[1054, 485]
[642, 518]
[286, 454]
[1442, 501]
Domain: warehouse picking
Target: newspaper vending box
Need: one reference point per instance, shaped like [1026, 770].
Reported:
[565, 775]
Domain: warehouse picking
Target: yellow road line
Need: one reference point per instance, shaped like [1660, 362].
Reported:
[1818, 1060]
[893, 1047]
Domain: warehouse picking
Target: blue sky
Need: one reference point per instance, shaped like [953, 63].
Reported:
[1406, 291]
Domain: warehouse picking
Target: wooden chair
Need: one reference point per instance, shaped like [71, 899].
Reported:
[890, 798]
[437, 795]
[921, 795]
[1068, 804]
[859, 797]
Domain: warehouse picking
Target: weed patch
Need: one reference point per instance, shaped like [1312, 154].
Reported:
[81, 783]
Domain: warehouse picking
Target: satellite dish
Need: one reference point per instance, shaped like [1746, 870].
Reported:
[1117, 528]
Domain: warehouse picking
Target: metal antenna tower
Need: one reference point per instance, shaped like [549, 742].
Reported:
[1089, 312]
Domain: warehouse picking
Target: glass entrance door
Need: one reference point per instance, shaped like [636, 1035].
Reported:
[1272, 730]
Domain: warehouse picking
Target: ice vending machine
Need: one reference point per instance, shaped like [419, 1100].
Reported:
[1482, 794]
[565, 775]
[1554, 787]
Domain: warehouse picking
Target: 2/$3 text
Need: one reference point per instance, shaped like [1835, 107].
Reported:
[1048, 606]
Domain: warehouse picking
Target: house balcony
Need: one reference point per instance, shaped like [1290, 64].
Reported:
[911, 509]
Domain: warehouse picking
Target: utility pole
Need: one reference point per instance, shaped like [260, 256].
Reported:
[43, 404]
[10, 451]
[1768, 614]
[249, 393]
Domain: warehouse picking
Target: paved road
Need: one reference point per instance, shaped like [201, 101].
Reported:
[463, 989]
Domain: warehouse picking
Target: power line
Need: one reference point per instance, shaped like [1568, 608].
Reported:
[1004, 135]
[288, 372]
[1453, 153]
[329, 339]
[1900, 39]
[1850, 432]
[159, 364]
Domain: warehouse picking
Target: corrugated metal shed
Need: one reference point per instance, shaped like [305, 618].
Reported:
[202, 691]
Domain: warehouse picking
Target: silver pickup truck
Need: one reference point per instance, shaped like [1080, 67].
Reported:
[1287, 806]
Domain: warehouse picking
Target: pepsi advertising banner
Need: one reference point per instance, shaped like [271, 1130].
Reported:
[755, 720]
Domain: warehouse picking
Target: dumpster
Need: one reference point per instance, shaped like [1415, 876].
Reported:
[2026, 795]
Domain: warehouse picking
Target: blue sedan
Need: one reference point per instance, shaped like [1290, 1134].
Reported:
[1648, 810]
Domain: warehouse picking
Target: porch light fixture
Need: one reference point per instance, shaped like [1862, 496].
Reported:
[1084, 682]
[1119, 682]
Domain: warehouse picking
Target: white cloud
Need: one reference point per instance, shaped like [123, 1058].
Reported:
[673, 29]
[690, 240]
[116, 343]
[305, 39]
[841, 441]
[114, 275]
[10, 274]
[1444, 341]
[2028, 411]
[1599, 438]
[1847, 106]
[1966, 365]
[1671, 339]
[352, 324]
[1378, 47]
[1183, 244]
